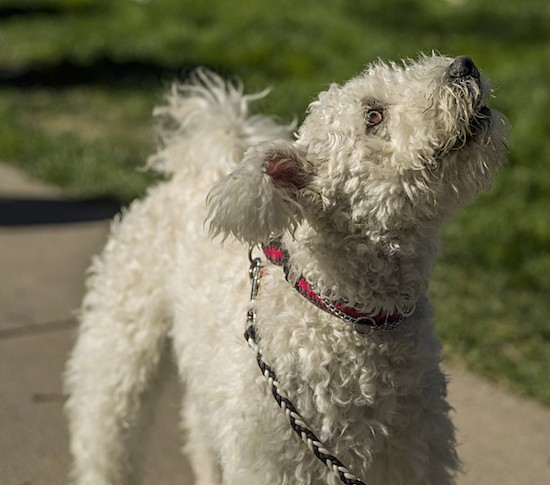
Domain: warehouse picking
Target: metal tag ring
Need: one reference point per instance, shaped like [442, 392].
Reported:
[364, 325]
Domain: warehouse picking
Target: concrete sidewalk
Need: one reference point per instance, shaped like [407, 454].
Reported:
[504, 439]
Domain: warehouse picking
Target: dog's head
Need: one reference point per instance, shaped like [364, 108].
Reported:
[395, 147]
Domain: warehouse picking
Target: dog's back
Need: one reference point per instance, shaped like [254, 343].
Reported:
[129, 307]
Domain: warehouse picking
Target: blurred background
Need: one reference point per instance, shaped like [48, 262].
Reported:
[79, 80]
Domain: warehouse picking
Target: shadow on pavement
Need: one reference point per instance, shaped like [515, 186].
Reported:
[29, 212]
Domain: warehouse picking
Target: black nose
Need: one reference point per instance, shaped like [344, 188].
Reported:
[463, 66]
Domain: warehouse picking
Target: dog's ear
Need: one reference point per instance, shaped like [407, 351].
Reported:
[261, 197]
[287, 168]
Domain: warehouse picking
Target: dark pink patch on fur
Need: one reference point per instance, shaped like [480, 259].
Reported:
[286, 171]
[305, 289]
[274, 254]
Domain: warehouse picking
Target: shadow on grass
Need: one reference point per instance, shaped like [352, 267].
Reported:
[19, 8]
[16, 212]
[14, 10]
[101, 71]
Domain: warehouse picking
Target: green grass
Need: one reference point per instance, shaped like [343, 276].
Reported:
[492, 283]
[87, 140]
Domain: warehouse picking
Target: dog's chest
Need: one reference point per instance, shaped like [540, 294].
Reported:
[343, 383]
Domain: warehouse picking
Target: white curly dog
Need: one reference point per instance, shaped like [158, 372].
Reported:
[351, 207]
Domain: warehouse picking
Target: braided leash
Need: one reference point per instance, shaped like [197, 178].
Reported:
[296, 421]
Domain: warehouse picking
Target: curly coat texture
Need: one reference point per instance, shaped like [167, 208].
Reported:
[358, 196]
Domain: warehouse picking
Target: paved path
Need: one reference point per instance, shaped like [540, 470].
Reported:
[505, 440]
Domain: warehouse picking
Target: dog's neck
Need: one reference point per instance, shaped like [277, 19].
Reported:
[374, 275]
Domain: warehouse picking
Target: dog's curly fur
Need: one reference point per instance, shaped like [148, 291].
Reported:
[358, 196]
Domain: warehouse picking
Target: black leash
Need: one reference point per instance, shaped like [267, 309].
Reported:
[296, 421]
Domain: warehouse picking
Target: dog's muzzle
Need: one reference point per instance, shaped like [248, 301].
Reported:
[462, 71]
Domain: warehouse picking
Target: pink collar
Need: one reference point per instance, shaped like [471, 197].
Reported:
[276, 253]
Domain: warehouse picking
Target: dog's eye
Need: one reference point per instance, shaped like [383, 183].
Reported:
[373, 117]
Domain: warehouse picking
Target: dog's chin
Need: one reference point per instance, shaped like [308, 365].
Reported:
[477, 127]
[480, 122]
